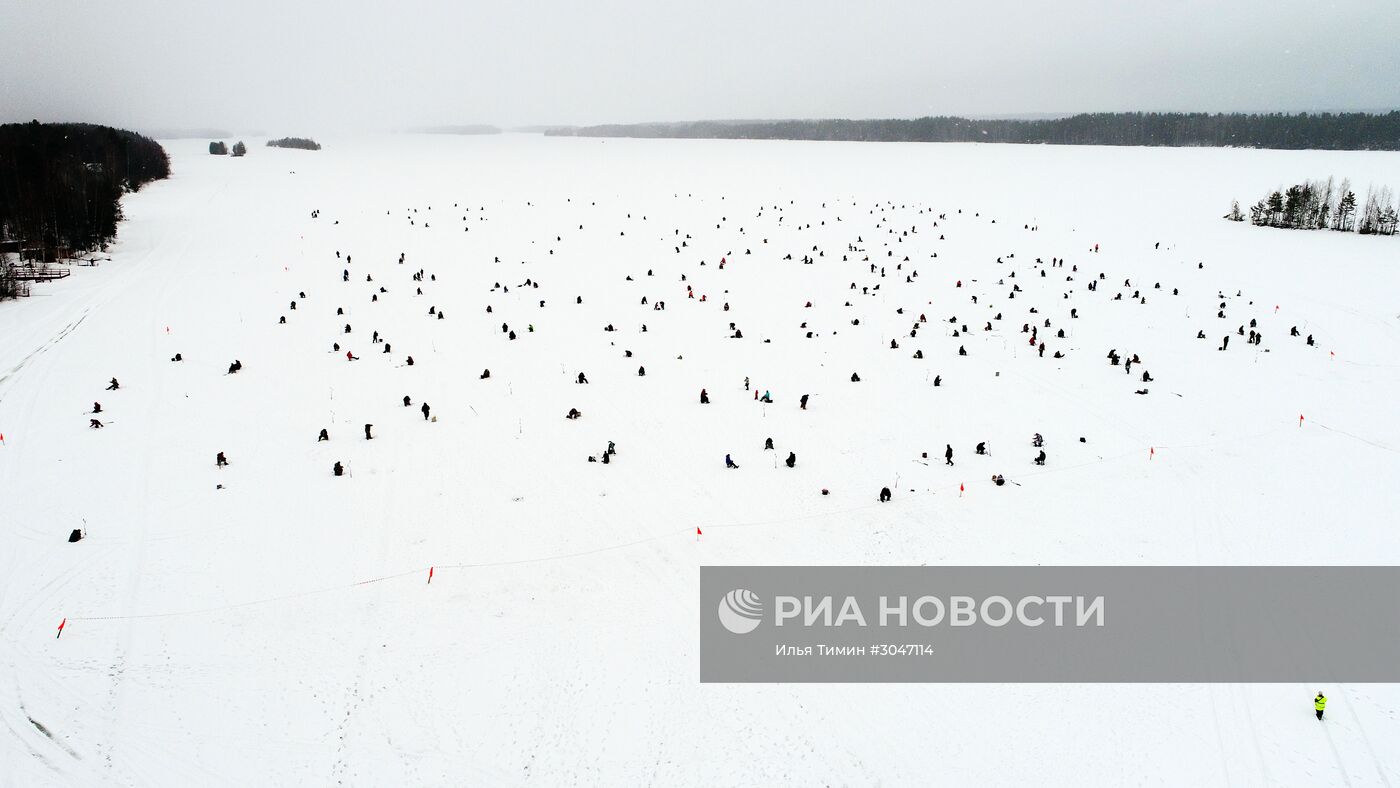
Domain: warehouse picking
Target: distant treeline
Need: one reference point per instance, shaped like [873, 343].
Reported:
[1327, 131]
[61, 185]
[466, 130]
[1321, 205]
[301, 143]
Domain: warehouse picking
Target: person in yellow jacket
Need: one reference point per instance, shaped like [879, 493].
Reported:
[1320, 703]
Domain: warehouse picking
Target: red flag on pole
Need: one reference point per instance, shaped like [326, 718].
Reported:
[1151, 452]
[960, 489]
[60, 628]
[697, 530]
[1300, 419]
[430, 574]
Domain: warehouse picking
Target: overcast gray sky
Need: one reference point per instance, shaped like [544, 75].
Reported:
[286, 66]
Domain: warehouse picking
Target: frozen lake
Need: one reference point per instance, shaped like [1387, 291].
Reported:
[270, 623]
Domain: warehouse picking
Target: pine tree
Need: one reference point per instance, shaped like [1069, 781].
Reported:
[1342, 191]
[1275, 209]
[1259, 214]
[1389, 220]
[1293, 202]
[1385, 213]
[1346, 210]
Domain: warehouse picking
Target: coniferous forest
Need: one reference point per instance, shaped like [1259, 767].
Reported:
[1323, 131]
[61, 185]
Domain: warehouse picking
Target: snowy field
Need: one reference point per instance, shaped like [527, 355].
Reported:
[269, 623]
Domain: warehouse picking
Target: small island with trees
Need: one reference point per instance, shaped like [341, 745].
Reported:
[1323, 205]
[300, 143]
[218, 148]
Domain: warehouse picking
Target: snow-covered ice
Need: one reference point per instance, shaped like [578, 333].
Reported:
[281, 630]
